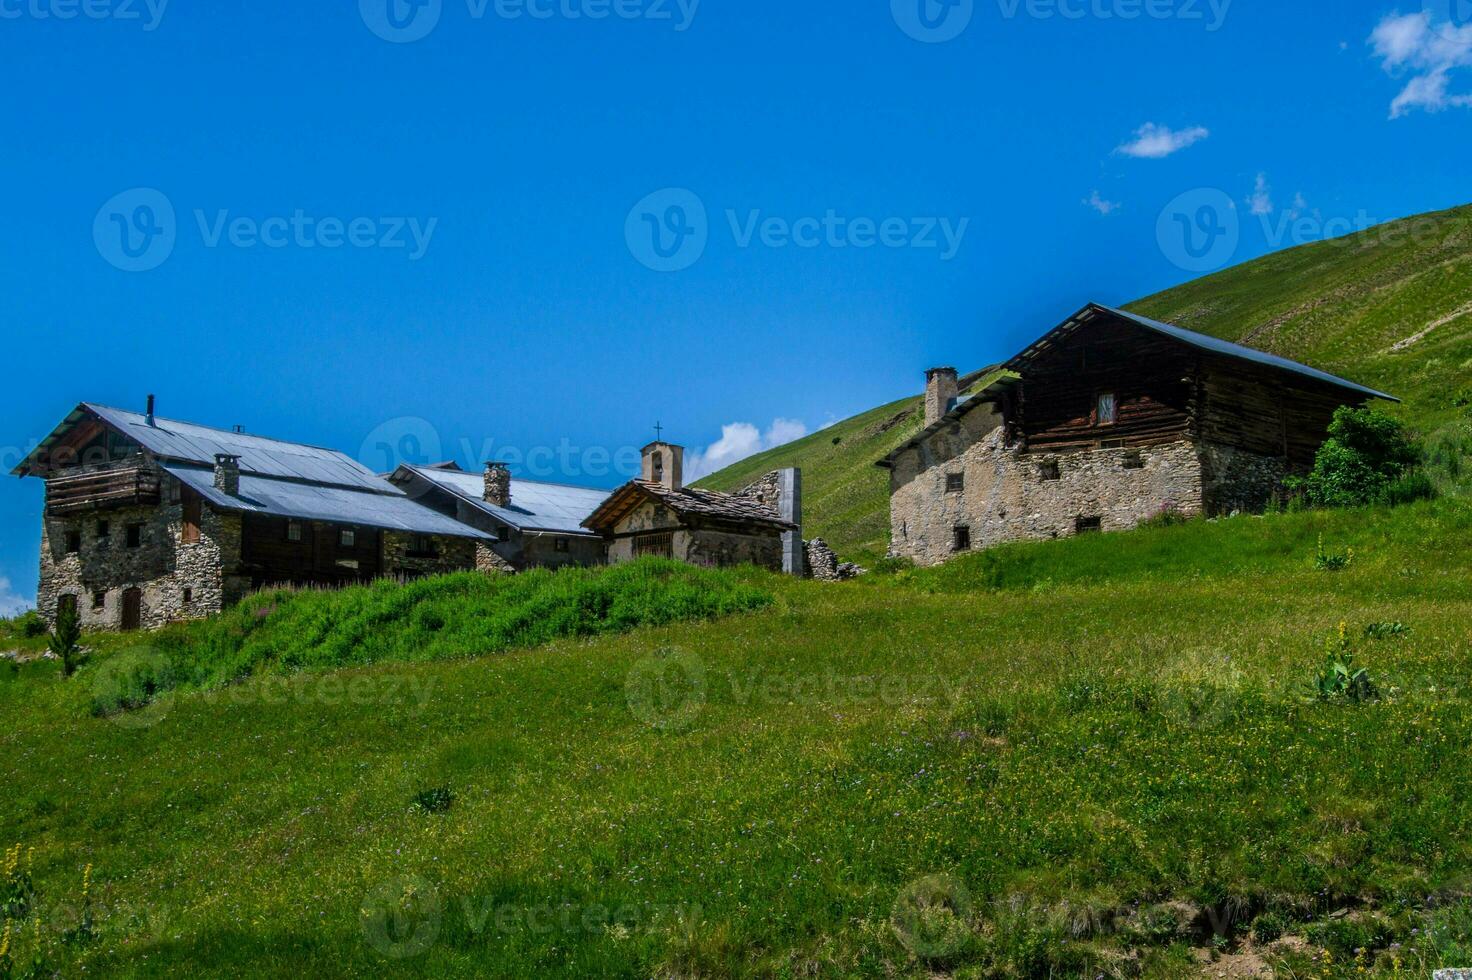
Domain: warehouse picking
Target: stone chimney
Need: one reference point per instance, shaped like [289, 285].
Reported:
[941, 389]
[498, 485]
[227, 474]
[150, 409]
[665, 464]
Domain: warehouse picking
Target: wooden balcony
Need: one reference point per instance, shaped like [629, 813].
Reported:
[119, 486]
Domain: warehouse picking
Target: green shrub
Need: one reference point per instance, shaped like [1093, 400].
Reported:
[29, 625]
[1332, 561]
[1385, 631]
[1269, 927]
[1169, 515]
[892, 566]
[1339, 679]
[66, 640]
[1366, 454]
[437, 800]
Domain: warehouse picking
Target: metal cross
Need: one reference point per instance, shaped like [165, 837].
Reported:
[658, 432]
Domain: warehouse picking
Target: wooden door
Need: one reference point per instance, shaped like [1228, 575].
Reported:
[133, 609]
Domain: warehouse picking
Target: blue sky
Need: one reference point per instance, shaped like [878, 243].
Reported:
[434, 227]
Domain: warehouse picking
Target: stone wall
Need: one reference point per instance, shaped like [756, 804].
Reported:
[450, 555]
[722, 549]
[1237, 480]
[175, 580]
[1009, 495]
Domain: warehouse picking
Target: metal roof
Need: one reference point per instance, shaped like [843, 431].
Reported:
[387, 508]
[535, 506]
[186, 442]
[1200, 341]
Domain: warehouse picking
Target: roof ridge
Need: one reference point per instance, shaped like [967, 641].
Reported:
[214, 428]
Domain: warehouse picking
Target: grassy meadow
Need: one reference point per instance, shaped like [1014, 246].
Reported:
[1078, 758]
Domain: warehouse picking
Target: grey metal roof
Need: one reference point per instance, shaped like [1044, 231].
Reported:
[392, 510]
[535, 506]
[1204, 342]
[185, 441]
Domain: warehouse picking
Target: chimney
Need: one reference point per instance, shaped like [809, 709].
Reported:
[664, 464]
[941, 389]
[150, 409]
[498, 485]
[227, 474]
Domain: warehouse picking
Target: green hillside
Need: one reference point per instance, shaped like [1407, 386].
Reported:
[1342, 305]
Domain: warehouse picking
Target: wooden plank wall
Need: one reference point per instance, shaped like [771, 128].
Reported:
[270, 559]
[1265, 411]
[1147, 373]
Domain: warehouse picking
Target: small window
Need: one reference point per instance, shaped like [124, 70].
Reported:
[955, 482]
[503, 533]
[1108, 409]
[423, 546]
[348, 538]
[1088, 525]
[1048, 470]
[135, 535]
[104, 529]
[1134, 460]
[99, 601]
[1112, 444]
[962, 539]
[562, 545]
[188, 596]
[192, 513]
[73, 542]
[293, 532]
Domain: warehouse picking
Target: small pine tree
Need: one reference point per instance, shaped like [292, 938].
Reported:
[66, 640]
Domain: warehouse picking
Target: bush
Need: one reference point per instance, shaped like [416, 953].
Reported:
[66, 640]
[1367, 454]
[29, 625]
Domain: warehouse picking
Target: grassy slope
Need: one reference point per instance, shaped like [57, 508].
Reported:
[1339, 305]
[1093, 735]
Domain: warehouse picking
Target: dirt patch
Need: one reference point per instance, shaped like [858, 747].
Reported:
[1246, 964]
[1420, 335]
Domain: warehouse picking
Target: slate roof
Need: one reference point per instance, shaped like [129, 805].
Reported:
[686, 502]
[393, 511]
[1200, 341]
[186, 442]
[535, 506]
[281, 479]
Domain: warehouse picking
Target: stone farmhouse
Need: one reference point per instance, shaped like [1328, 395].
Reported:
[658, 515]
[1102, 423]
[150, 520]
[536, 525]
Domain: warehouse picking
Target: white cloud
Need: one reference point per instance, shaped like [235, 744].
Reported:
[1430, 51]
[1262, 196]
[1153, 142]
[10, 603]
[1097, 202]
[1300, 205]
[738, 441]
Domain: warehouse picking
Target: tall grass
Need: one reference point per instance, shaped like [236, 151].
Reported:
[447, 617]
